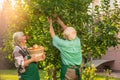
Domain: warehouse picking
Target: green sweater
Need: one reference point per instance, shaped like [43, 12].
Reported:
[70, 50]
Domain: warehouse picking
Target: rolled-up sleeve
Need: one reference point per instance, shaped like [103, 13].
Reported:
[19, 60]
[57, 42]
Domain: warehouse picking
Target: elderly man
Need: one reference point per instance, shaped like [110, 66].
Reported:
[26, 65]
[70, 51]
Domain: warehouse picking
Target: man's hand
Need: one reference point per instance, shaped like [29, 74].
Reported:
[38, 57]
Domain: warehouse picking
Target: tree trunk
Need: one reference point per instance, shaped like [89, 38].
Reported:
[49, 74]
[54, 73]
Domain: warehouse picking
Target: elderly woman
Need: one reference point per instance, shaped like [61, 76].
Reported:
[26, 65]
[70, 51]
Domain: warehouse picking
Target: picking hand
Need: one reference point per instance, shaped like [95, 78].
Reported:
[50, 21]
[52, 32]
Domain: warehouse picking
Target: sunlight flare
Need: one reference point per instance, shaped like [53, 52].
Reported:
[13, 3]
[1, 3]
[22, 1]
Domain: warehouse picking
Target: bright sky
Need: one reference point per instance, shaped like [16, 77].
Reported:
[12, 2]
[1, 2]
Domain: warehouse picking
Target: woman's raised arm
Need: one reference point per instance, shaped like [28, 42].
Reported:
[61, 23]
[52, 32]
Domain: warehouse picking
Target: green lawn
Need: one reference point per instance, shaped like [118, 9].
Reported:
[12, 75]
[99, 77]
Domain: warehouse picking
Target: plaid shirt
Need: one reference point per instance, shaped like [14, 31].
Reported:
[19, 57]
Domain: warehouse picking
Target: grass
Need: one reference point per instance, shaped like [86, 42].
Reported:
[102, 77]
[12, 75]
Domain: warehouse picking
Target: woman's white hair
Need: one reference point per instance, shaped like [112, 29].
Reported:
[17, 37]
[70, 32]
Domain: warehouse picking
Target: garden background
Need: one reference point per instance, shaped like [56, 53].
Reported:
[96, 25]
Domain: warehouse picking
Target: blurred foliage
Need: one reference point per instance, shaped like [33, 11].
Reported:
[89, 73]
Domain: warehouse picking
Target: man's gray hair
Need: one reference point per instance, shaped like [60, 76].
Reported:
[17, 37]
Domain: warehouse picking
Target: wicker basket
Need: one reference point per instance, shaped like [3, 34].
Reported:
[36, 51]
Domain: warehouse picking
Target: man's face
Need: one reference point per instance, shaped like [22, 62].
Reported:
[23, 39]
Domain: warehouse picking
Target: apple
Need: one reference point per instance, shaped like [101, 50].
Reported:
[35, 46]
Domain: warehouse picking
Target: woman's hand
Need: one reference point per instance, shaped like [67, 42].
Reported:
[52, 32]
[50, 21]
